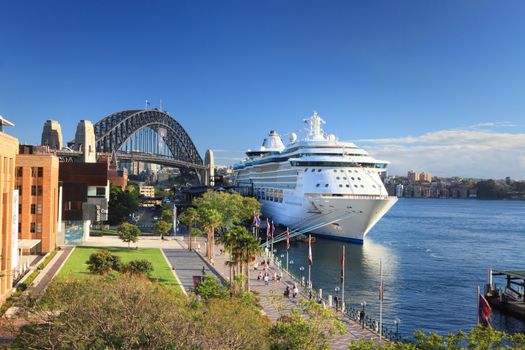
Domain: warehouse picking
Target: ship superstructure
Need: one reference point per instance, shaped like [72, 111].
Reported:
[320, 182]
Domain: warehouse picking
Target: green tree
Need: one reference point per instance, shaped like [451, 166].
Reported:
[121, 204]
[167, 215]
[128, 233]
[209, 220]
[189, 217]
[306, 330]
[139, 266]
[102, 262]
[211, 287]
[161, 228]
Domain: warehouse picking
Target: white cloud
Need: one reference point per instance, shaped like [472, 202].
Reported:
[454, 152]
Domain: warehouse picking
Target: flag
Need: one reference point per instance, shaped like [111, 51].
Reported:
[310, 250]
[267, 228]
[484, 311]
[287, 239]
[343, 266]
[273, 229]
[256, 220]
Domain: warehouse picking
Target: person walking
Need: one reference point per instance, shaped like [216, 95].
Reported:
[266, 280]
[287, 292]
[295, 291]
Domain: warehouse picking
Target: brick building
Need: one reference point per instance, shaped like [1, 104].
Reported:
[37, 183]
[8, 214]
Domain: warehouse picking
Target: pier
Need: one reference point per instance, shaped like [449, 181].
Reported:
[511, 299]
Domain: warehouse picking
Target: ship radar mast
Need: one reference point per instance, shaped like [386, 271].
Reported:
[315, 133]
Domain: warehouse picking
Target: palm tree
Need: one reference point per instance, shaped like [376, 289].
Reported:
[249, 246]
[189, 217]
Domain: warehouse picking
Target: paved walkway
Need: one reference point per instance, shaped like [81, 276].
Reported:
[275, 304]
[46, 275]
[187, 264]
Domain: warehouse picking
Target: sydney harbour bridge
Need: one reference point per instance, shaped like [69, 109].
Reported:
[147, 136]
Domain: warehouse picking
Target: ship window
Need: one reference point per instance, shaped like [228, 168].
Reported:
[335, 170]
[305, 170]
[353, 178]
[359, 178]
[318, 170]
[337, 178]
[362, 186]
[317, 185]
[374, 186]
[313, 170]
[340, 185]
[326, 185]
[355, 186]
[347, 185]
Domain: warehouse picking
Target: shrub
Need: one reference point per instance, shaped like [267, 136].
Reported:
[103, 262]
[139, 266]
[211, 287]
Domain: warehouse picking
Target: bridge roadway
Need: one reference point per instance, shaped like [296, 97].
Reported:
[136, 157]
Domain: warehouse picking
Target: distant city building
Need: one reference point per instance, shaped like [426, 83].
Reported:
[8, 211]
[147, 191]
[52, 135]
[414, 176]
[116, 176]
[37, 184]
[399, 190]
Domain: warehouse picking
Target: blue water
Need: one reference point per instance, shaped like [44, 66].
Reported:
[435, 253]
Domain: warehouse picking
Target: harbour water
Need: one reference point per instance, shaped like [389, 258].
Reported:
[435, 253]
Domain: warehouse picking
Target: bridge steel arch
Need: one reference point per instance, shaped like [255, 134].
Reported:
[114, 130]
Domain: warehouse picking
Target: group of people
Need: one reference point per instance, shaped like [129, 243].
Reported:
[265, 273]
[294, 290]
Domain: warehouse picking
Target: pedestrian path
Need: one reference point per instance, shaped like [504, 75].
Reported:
[276, 305]
[187, 264]
[46, 275]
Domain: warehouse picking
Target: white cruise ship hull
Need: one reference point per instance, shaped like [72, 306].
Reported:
[340, 218]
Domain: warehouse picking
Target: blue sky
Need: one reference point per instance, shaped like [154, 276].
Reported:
[229, 71]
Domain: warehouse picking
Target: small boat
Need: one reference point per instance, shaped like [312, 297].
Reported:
[305, 240]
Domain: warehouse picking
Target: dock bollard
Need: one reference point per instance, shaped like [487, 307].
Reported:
[329, 300]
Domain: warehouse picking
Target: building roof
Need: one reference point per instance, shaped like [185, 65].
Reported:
[5, 122]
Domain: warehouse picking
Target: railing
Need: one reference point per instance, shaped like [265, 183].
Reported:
[352, 313]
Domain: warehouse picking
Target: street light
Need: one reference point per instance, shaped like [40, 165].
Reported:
[363, 305]
[302, 274]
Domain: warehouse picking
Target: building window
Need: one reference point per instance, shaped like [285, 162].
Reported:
[33, 227]
[33, 190]
[33, 172]
[101, 191]
[39, 208]
[39, 190]
[39, 227]
[33, 208]
[19, 208]
[19, 227]
[19, 171]
[40, 171]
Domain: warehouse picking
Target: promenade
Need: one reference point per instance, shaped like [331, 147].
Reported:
[276, 305]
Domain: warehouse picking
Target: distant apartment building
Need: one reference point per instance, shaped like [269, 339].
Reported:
[37, 184]
[414, 176]
[399, 190]
[147, 191]
[8, 210]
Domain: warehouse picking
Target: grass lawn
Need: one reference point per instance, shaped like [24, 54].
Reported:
[76, 264]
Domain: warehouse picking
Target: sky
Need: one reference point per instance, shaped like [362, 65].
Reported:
[433, 86]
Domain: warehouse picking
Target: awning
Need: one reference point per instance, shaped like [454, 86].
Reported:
[27, 243]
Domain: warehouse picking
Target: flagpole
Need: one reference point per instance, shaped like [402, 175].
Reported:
[343, 282]
[380, 301]
[477, 298]
[310, 264]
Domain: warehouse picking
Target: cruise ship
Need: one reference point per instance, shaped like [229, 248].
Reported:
[318, 184]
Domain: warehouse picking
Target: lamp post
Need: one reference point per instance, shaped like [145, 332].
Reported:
[336, 299]
[397, 321]
[302, 274]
